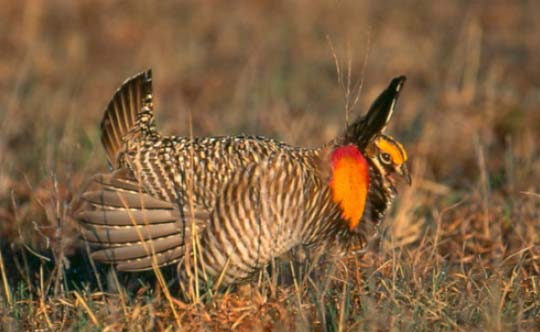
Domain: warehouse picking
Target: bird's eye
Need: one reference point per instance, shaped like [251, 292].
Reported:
[385, 158]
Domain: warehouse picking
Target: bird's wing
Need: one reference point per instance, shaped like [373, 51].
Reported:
[128, 227]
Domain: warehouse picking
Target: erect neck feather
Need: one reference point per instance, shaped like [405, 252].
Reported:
[349, 182]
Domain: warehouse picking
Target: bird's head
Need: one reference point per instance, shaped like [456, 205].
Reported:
[389, 157]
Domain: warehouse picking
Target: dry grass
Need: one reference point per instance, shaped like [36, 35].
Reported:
[461, 249]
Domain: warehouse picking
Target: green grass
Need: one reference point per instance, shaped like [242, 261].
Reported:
[461, 248]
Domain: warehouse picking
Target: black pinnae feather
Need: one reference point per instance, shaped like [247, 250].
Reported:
[364, 129]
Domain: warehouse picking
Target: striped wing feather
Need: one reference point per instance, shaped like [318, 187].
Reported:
[131, 228]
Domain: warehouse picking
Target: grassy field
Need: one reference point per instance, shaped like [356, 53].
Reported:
[460, 250]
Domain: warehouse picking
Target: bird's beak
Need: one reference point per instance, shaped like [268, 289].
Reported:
[404, 172]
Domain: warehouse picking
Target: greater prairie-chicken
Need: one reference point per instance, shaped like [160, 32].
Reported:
[243, 199]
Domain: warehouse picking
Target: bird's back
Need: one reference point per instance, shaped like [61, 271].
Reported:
[178, 168]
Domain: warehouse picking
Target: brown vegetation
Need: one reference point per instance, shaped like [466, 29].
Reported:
[461, 248]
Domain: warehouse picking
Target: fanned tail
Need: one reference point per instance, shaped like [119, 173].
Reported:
[121, 113]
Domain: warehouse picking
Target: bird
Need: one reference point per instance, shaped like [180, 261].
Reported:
[226, 206]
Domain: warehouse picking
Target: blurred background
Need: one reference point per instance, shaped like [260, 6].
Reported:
[470, 105]
[469, 114]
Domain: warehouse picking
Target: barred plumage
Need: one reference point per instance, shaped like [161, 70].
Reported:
[248, 199]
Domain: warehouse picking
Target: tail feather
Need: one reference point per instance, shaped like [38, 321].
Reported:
[121, 113]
